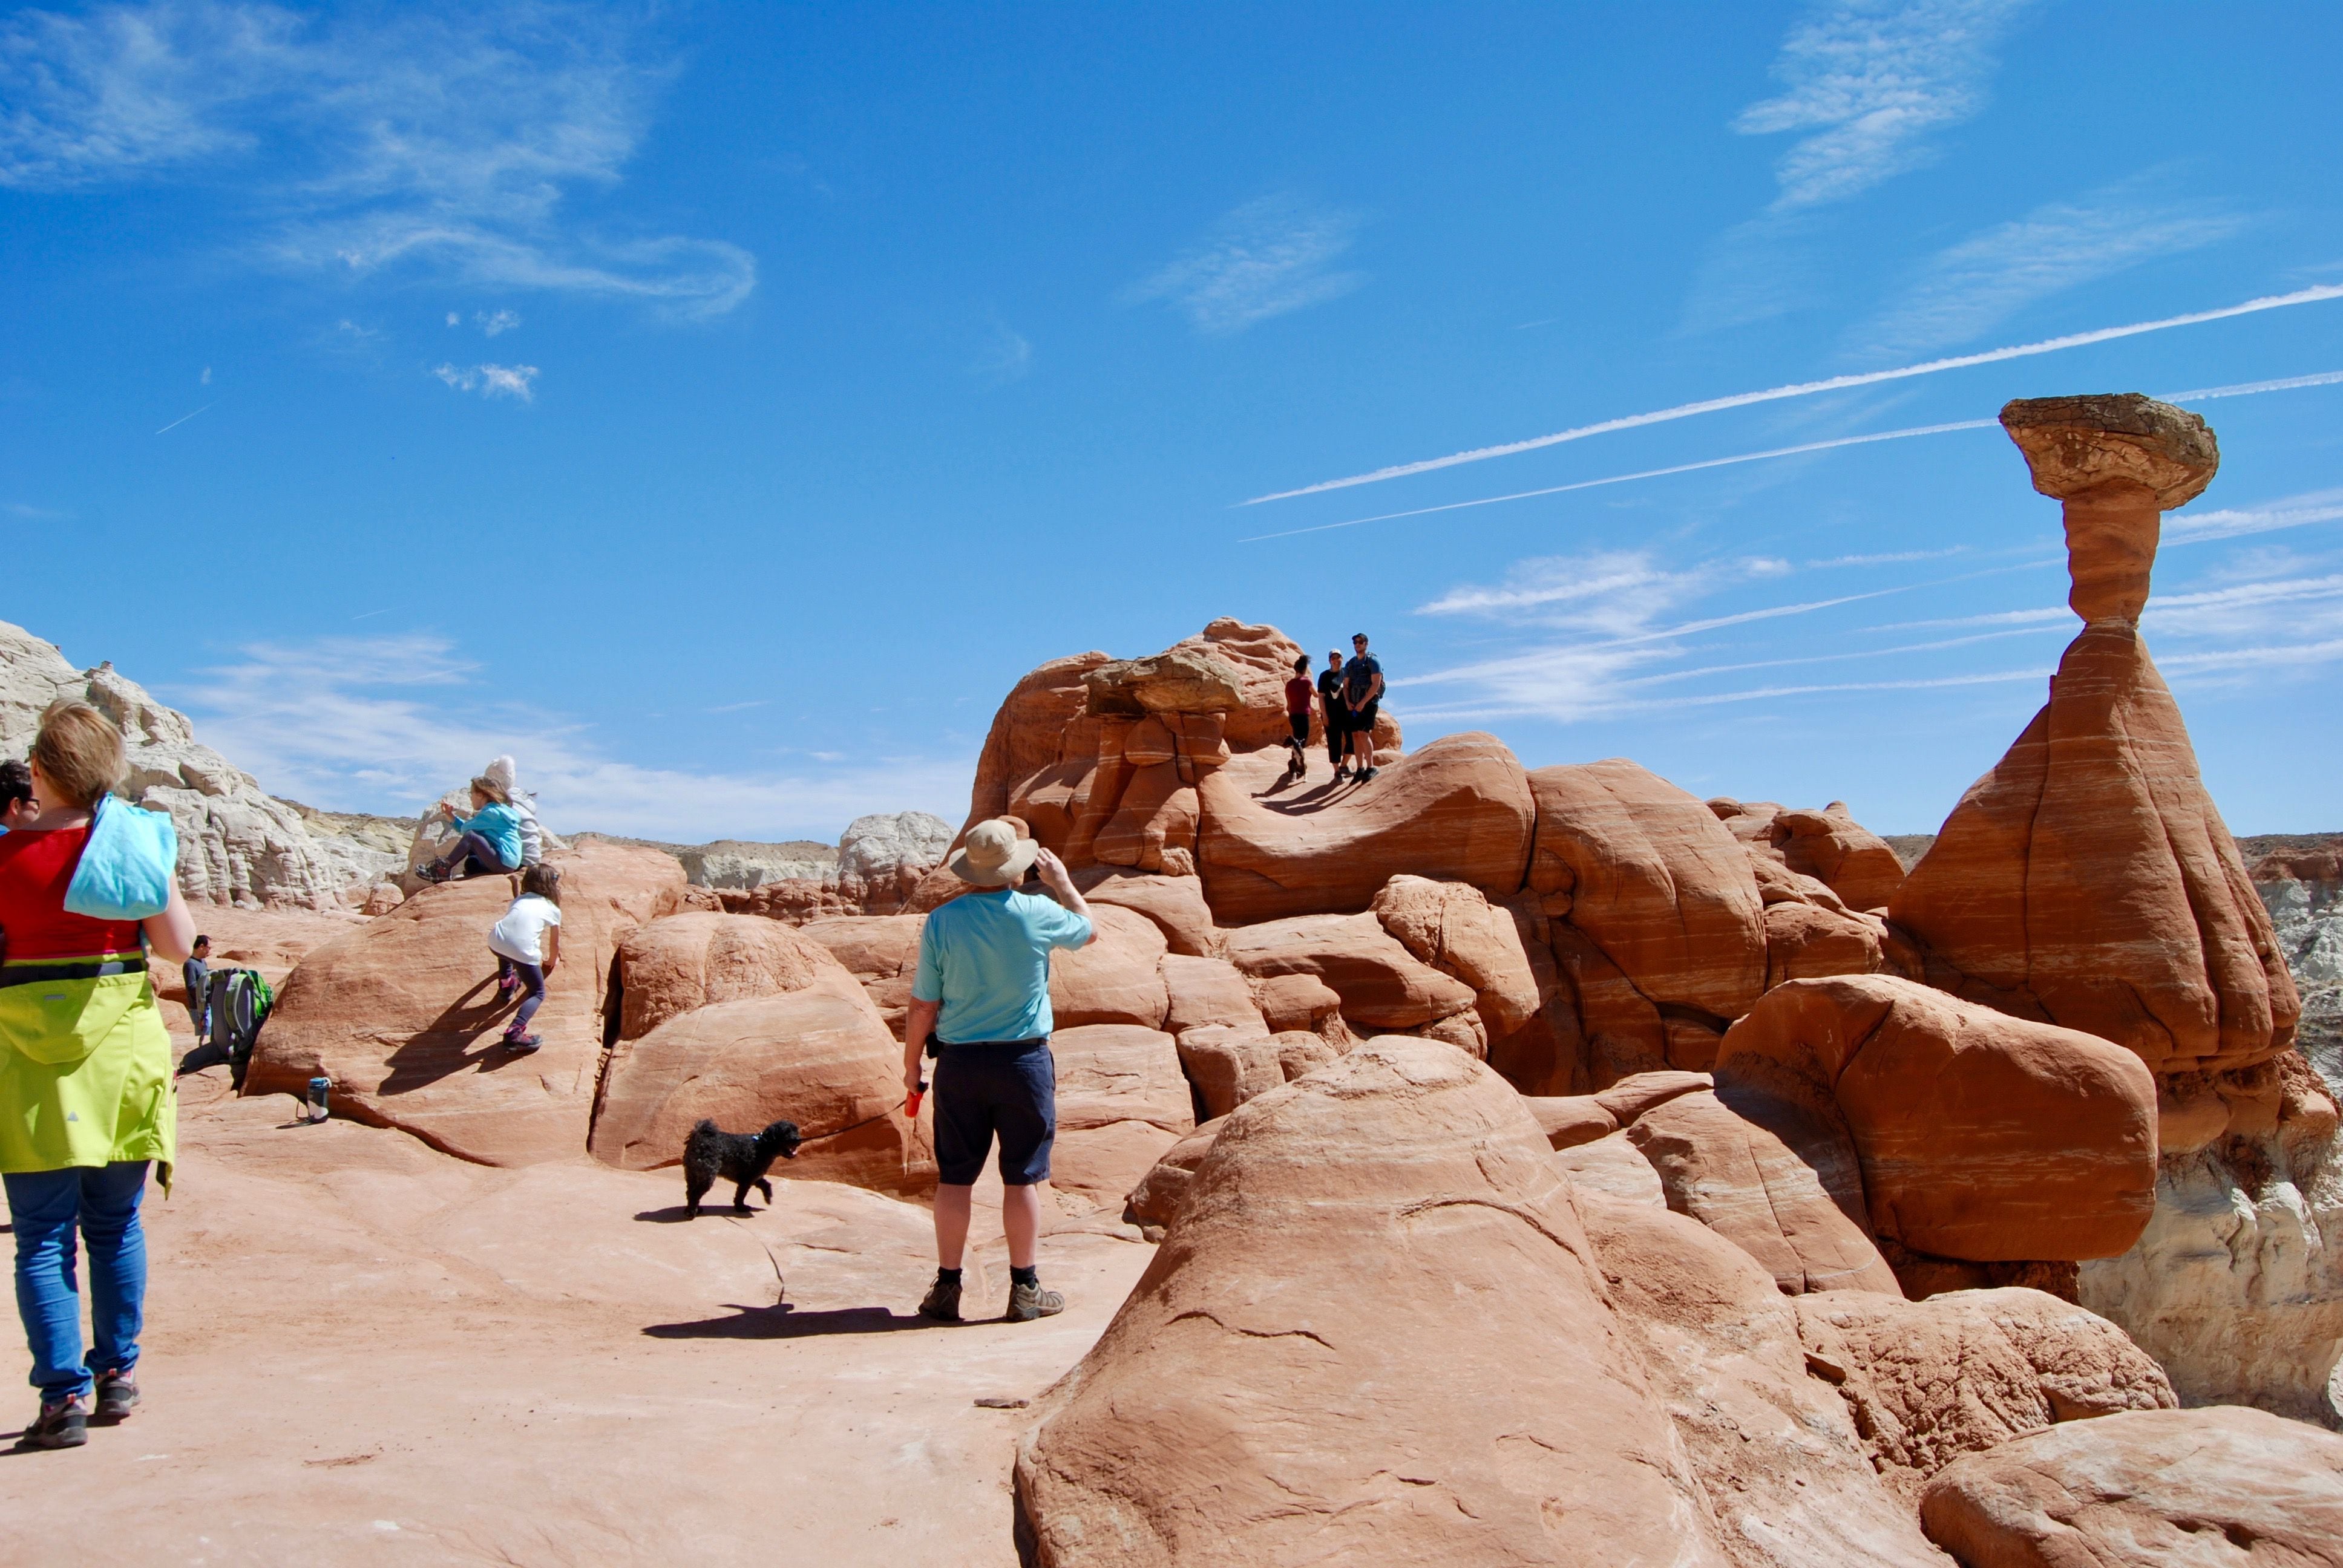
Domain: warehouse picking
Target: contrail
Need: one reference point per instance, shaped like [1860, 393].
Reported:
[184, 418]
[1623, 479]
[1807, 388]
[2242, 389]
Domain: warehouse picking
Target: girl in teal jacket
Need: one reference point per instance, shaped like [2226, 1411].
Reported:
[488, 839]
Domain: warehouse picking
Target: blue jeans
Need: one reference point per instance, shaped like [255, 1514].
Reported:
[44, 1206]
[471, 850]
[532, 987]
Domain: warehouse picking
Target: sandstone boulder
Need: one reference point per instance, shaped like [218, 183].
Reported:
[1931, 1380]
[2147, 1489]
[1453, 928]
[816, 1054]
[402, 1013]
[1458, 810]
[1228, 1066]
[1828, 845]
[1615, 1167]
[686, 962]
[881, 951]
[1121, 1105]
[1114, 978]
[1744, 1184]
[1777, 1452]
[1203, 991]
[1176, 905]
[1286, 1385]
[1571, 1120]
[1981, 1136]
[1155, 1203]
[1380, 983]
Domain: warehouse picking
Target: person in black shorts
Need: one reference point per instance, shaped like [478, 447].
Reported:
[1298, 694]
[1362, 689]
[1338, 712]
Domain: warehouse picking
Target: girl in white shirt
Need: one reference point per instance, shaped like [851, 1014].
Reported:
[528, 944]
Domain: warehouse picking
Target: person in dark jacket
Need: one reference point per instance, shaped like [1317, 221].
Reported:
[197, 973]
[1338, 713]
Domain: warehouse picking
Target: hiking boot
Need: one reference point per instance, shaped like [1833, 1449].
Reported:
[1369, 774]
[61, 1425]
[524, 1043]
[117, 1396]
[506, 986]
[942, 1301]
[431, 873]
[1027, 1303]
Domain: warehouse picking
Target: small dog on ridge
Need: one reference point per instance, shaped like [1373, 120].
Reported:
[711, 1152]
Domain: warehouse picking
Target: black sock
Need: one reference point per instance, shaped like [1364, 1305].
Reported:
[948, 1276]
[1027, 1275]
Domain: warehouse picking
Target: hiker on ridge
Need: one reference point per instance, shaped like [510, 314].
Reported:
[982, 992]
[1362, 691]
[486, 842]
[1338, 715]
[87, 1096]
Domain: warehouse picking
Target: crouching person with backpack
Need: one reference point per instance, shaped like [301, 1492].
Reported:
[86, 1099]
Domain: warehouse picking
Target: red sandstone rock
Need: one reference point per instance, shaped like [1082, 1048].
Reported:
[1655, 884]
[1568, 1120]
[1775, 1450]
[1227, 1066]
[1263, 660]
[1981, 1136]
[2117, 462]
[1616, 1168]
[687, 961]
[1931, 1380]
[402, 1013]
[1828, 845]
[1806, 941]
[818, 1056]
[1380, 983]
[1286, 1385]
[1115, 978]
[2147, 1489]
[1155, 1203]
[1453, 928]
[1631, 1097]
[1176, 904]
[1458, 810]
[1209, 992]
[1749, 1187]
[883, 952]
[1121, 1104]
[1028, 734]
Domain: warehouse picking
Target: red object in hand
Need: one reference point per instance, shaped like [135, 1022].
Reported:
[911, 1105]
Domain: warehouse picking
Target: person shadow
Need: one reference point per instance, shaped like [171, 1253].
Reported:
[454, 1042]
[784, 1321]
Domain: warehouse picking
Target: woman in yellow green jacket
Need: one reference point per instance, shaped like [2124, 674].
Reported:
[87, 1099]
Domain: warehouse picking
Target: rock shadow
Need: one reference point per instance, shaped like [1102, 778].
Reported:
[447, 1045]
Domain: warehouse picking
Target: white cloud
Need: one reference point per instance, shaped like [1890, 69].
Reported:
[1007, 357]
[388, 723]
[1266, 258]
[205, 378]
[455, 318]
[1972, 286]
[2227, 523]
[491, 380]
[493, 324]
[1870, 80]
[444, 142]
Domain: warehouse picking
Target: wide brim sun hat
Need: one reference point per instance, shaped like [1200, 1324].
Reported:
[993, 855]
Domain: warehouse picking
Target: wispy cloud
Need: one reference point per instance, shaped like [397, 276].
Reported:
[1974, 286]
[491, 380]
[1267, 257]
[1869, 80]
[2311, 296]
[388, 723]
[1007, 357]
[443, 141]
[496, 322]
[2230, 522]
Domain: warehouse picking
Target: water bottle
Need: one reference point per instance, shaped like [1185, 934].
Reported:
[315, 1107]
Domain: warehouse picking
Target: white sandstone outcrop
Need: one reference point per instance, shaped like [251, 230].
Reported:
[237, 844]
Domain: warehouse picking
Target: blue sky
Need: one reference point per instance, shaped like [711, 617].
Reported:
[721, 407]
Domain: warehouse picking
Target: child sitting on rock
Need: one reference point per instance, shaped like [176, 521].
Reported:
[486, 842]
[528, 944]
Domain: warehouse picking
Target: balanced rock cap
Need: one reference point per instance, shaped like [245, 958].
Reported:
[2076, 445]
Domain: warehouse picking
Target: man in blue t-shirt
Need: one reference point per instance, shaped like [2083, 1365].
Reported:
[982, 990]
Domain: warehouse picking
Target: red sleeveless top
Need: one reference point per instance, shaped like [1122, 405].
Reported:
[35, 869]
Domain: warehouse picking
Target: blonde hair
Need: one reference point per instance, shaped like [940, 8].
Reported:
[492, 789]
[78, 752]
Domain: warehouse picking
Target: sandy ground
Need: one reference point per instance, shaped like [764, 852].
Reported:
[361, 1351]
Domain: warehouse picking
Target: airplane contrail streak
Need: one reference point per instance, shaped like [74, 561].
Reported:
[184, 418]
[2202, 394]
[1807, 388]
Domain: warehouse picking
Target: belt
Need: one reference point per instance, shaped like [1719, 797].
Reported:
[71, 969]
[993, 1044]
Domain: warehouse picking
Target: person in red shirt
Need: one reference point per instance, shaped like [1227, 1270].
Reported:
[1298, 693]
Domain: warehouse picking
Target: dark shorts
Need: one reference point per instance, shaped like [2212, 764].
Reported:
[1363, 718]
[983, 1090]
[1300, 723]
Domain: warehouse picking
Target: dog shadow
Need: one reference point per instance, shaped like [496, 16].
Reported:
[784, 1321]
[680, 1215]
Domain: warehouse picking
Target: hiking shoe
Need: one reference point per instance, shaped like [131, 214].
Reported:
[942, 1301]
[63, 1425]
[506, 986]
[431, 873]
[1027, 1303]
[117, 1396]
[1370, 773]
[523, 1043]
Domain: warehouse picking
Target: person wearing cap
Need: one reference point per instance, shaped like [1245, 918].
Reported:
[982, 991]
[1362, 691]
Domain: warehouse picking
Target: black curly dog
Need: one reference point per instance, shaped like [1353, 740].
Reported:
[711, 1152]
